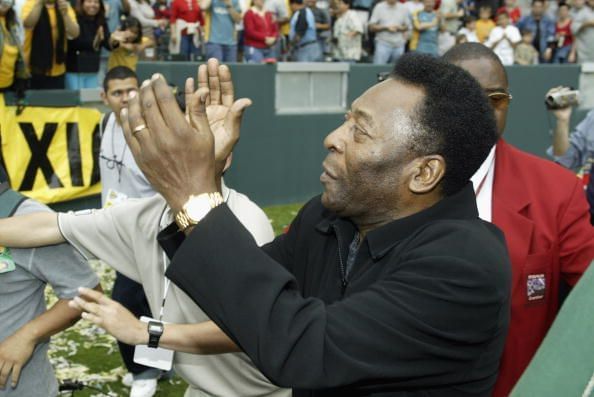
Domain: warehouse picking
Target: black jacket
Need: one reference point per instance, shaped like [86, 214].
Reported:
[82, 57]
[424, 311]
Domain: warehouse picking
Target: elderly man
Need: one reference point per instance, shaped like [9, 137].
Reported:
[541, 208]
[386, 284]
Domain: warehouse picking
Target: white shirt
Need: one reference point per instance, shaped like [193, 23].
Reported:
[470, 35]
[413, 6]
[482, 181]
[120, 175]
[125, 237]
[504, 50]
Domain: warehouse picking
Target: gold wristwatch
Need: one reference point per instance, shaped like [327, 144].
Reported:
[196, 208]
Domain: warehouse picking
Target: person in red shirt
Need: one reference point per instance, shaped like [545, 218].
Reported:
[186, 22]
[512, 10]
[564, 51]
[260, 33]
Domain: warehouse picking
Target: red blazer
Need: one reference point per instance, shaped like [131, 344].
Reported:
[542, 209]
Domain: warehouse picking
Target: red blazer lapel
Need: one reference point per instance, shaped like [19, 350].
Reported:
[510, 203]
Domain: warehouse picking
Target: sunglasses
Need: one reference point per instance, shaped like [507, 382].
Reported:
[499, 99]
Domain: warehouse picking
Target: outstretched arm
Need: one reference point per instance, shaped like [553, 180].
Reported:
[201, 338]
[31, 230]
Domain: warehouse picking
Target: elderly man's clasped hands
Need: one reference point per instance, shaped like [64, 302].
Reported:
[172, 148]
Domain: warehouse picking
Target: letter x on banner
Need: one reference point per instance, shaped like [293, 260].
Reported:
[50, 154]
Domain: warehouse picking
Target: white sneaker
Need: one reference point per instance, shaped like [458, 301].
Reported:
[128, 379]
[143, 388]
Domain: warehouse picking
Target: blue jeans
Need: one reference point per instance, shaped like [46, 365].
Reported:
[561, 54]
[385, 53]
[308, 53]
[222, 52]
[76, 81]
[322, 44]
[187, 47]
[256, 55]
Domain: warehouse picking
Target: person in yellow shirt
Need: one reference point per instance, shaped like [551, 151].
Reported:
[485, 24]
[126, 50]
[12, 62]
[48, 24]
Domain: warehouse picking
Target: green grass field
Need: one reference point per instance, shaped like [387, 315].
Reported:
[85, 353]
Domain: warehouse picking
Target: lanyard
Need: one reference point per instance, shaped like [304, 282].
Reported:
[166, 283]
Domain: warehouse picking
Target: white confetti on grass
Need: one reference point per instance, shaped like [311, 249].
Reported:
[86, 353]
[85, 336]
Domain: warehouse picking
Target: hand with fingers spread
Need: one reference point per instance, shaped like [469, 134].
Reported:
[224, 113]
[176, 156]
[15, 351]
[179, 154]
[111, 316]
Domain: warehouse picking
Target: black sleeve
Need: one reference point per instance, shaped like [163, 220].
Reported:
[301, 24]
[106, 34]
[84, 41]
[170, 239]
[425, 324]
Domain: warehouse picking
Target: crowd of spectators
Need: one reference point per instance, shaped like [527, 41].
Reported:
[63, 44]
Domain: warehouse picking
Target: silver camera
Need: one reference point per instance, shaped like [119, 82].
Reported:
[562, 97]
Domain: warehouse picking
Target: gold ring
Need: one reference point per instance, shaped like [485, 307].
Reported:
[139, 128]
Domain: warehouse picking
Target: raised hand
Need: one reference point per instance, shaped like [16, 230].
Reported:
[63, 6]
[176, 156]
[100, 35]
[98, 39]
[224, 113]
[120, 36]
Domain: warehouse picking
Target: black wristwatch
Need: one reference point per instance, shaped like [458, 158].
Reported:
[155, 330]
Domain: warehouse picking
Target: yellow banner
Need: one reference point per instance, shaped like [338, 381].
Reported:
[50, 154]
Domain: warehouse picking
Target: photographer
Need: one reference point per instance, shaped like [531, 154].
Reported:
[575, 151]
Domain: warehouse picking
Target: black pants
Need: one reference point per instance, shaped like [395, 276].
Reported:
[43, 82]
[131, 295]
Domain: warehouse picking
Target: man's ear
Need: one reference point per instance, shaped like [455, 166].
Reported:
[427, 173]
[104, 98]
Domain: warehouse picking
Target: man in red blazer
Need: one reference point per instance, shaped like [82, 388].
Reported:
[542, 209]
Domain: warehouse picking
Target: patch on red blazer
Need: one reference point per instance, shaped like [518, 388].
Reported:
[536, 287]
